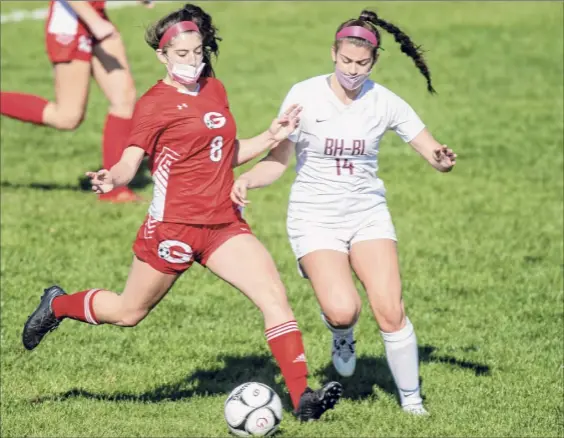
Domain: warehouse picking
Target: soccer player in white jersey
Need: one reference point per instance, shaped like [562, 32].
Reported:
[337, 215]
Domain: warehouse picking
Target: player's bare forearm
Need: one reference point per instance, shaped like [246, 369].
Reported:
[250, 148]
[125, 169]
[271, 167]
[85, 12]
[425, 144]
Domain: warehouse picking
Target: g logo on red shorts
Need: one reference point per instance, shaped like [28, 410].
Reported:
[175, 251]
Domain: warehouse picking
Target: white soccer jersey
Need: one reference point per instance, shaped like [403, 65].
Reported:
[337, 149]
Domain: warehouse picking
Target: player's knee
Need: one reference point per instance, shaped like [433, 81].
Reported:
[392, 318]
[342, 313]
[122, 103]
[131, 318]
[69, 120]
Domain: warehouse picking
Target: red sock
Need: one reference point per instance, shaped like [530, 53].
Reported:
[285, 341]
[76, 306]
[24, 107]
[116, 132]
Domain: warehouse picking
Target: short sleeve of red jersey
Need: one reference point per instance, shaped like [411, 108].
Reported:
[222, 92]
[147, 126]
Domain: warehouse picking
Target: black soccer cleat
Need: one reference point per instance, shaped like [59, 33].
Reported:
[313, 404]
[43, 320]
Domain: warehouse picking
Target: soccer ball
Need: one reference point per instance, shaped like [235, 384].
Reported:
[253, 409]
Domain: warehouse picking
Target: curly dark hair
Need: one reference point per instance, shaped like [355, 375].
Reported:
[370, 21]
[203, 20]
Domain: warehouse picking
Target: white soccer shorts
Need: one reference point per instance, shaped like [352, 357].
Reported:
[308, 236]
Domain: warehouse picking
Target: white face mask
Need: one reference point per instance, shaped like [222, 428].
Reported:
[185, 74]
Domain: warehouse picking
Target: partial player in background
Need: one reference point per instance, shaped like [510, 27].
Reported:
[185, 126]
[81, 41]
[337, 215]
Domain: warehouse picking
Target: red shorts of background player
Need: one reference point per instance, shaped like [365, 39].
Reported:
[66, 37]
[171, 248]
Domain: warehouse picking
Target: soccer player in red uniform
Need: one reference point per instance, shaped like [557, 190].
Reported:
[81, 41]
[183, 123]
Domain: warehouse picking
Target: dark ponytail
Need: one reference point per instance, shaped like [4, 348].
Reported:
[371, 21]
[196, 14]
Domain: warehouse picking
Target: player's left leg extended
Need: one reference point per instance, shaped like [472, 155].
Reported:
[376, 264]
[245, 263]
[144, 288]
[112, 73]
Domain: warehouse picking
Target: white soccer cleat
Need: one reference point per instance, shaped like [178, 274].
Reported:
[343, 354]
[417, 409]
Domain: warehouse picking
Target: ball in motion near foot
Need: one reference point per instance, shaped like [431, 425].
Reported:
[253, 409]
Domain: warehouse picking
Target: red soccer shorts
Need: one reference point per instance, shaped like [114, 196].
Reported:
[66, 37]
[171, 248]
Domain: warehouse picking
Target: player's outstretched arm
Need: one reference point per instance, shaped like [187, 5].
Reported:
[264, 173]
[438, 155]
[280, 128]
[99, 27]
[120, 174]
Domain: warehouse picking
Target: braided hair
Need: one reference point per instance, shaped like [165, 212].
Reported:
[370, 21]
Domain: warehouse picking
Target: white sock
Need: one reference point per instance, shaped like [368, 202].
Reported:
[403, 360]
[338, 331]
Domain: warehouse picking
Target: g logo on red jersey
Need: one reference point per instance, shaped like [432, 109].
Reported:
[175, 251]
[214, 120]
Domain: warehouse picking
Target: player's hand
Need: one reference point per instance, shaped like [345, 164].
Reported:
[445, 159]
[149, 4]
[239, 191]
[283, 126]
[101, 181]
[102, 29]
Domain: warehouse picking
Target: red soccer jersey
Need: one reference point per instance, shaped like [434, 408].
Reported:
[190, 141]
[98, 5]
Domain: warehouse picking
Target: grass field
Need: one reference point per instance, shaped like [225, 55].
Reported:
[481, 248]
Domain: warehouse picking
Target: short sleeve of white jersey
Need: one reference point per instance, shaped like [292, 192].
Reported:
[293, 97]
[404, 121]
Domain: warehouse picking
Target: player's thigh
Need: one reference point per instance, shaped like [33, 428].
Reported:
[331, 278]
[145, 286]
[376, 264]
[72, 80]
[159, 260]
[245, 263]
[111, 71]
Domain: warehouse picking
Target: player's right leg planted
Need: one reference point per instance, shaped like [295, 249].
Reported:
[285, 342]
[245, 263]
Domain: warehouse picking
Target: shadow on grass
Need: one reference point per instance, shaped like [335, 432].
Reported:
[372, 371]
[235, 370]
[141, 180]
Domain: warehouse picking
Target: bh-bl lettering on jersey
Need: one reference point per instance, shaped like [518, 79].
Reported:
[338, 146]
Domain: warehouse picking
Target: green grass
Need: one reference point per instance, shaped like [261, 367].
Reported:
[481, 248]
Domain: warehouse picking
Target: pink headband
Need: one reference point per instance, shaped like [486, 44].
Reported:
[358, 32]
[174, 30]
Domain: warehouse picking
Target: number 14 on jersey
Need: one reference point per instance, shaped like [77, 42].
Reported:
[343, 164]
[337, 147]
